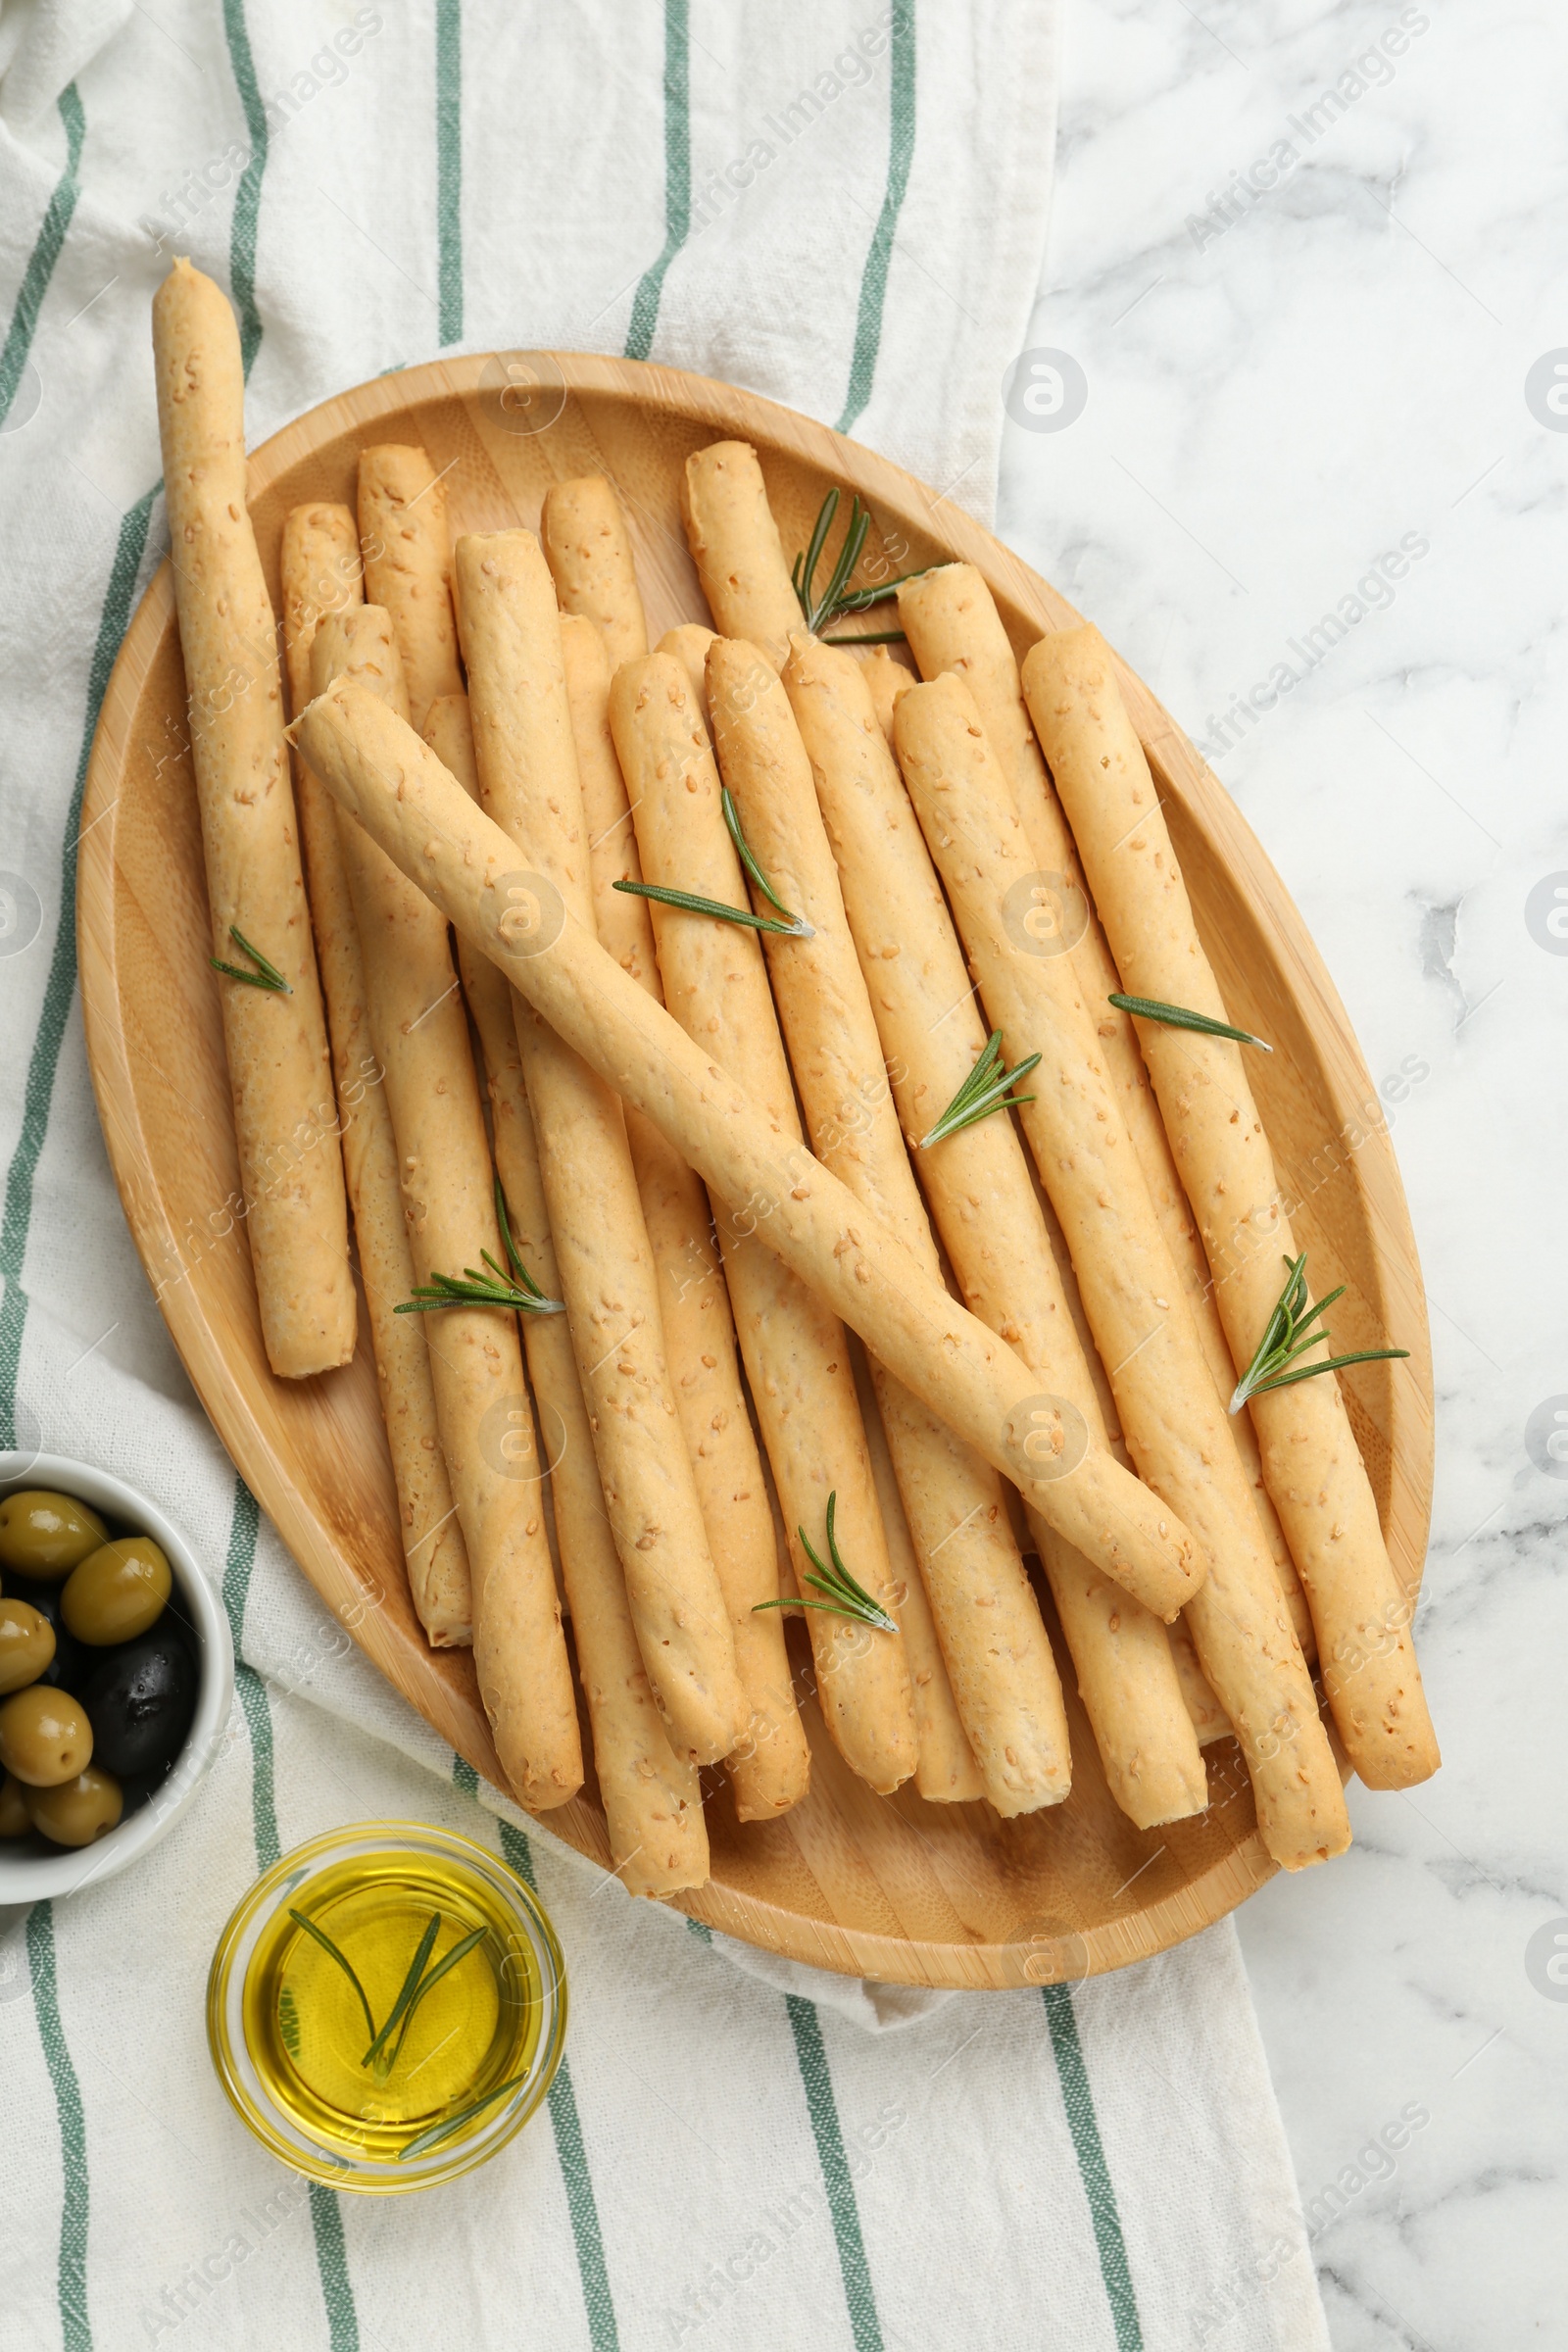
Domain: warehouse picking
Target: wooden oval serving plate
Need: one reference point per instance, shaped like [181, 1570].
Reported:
[894, 1888]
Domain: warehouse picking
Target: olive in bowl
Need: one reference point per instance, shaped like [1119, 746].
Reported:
[26, 1645]
[45, 1535]
[98, 1819]
[45, 1736]
[117, 1592]
[139, 1701]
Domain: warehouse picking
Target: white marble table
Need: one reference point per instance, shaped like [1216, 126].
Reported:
[1276, 399]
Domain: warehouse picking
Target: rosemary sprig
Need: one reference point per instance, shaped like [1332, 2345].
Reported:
[523, 1295]
[1177, 1017]
[690, 903]
[837, 599]
[459, 1951]
[409, 1987]
[984, 1090]
[1288, 1334]
[455, 2123]
[345, 1964]
[732, 818]
[266, 975]
[845, 1598]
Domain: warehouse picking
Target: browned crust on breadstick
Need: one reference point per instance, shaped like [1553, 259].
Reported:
[736, 549]
[528, 778]
[952, 625]
[583, 533]
[420, 1036]
[986, 1210]
[408, 568]
[651, 1797]
[420, 815]
[280, 1068]
[1174, 1423]
[321, 571]
[772, 1767]
[1311, 1458]
[996, 1648]
[796, 1350]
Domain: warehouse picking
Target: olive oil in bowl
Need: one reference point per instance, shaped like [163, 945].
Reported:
[387, 2006]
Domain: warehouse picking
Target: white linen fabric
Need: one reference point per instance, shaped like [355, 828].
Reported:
[842, 205]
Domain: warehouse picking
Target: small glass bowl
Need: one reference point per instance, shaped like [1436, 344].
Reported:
[533, 1960]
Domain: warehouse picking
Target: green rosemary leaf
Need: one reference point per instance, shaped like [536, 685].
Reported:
[838, 597]
[427, 1984]
[1177, 1017]
[732, 819]
[523, 1296]
[984, 1090]
[872, 637]
[328, 1946]
[1289, 1333]
[845, 1596]
[455, 2123]
[524, 1278]
[690, 903]
[266, 975]
[411, 1986]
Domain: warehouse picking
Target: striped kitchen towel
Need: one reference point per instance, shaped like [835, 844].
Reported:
[843, 204]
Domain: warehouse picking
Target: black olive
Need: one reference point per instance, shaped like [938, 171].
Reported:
[139, 1701]
[72, 1660]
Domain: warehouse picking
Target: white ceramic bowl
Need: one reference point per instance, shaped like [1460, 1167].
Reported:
[27, 1878]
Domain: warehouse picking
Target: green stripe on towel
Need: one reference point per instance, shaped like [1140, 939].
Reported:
[449, 164]
[677, 179]
[581, 2204]
[327, 2218]
[1078, 2100]
[874, 277]
[822, 2107]
[59, 986]
[44, 255]
[75, 2330]
[248, 195]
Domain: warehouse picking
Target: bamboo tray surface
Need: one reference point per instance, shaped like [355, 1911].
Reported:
[895, 1889]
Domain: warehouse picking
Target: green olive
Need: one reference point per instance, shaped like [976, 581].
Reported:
[77, 1811]
[46, 1535]
[14, 1821]
[118, 1593]
[26, 1645]
[45, 1736]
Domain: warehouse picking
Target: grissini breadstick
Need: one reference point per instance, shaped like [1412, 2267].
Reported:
[952, 622]
[376, 767]
[1311, 1459]
[886, 679]
[528, 781]
[988, 1622]
[689, 642]
[321, 571]
[772, 1767]
[1171, 1417]
[796, 1350]
[946, 1773]
[275, 1035]
[986, 1210]
[736, 549]
[583, 533]
[651, 1797]
[420, 1036]
[408, 568]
